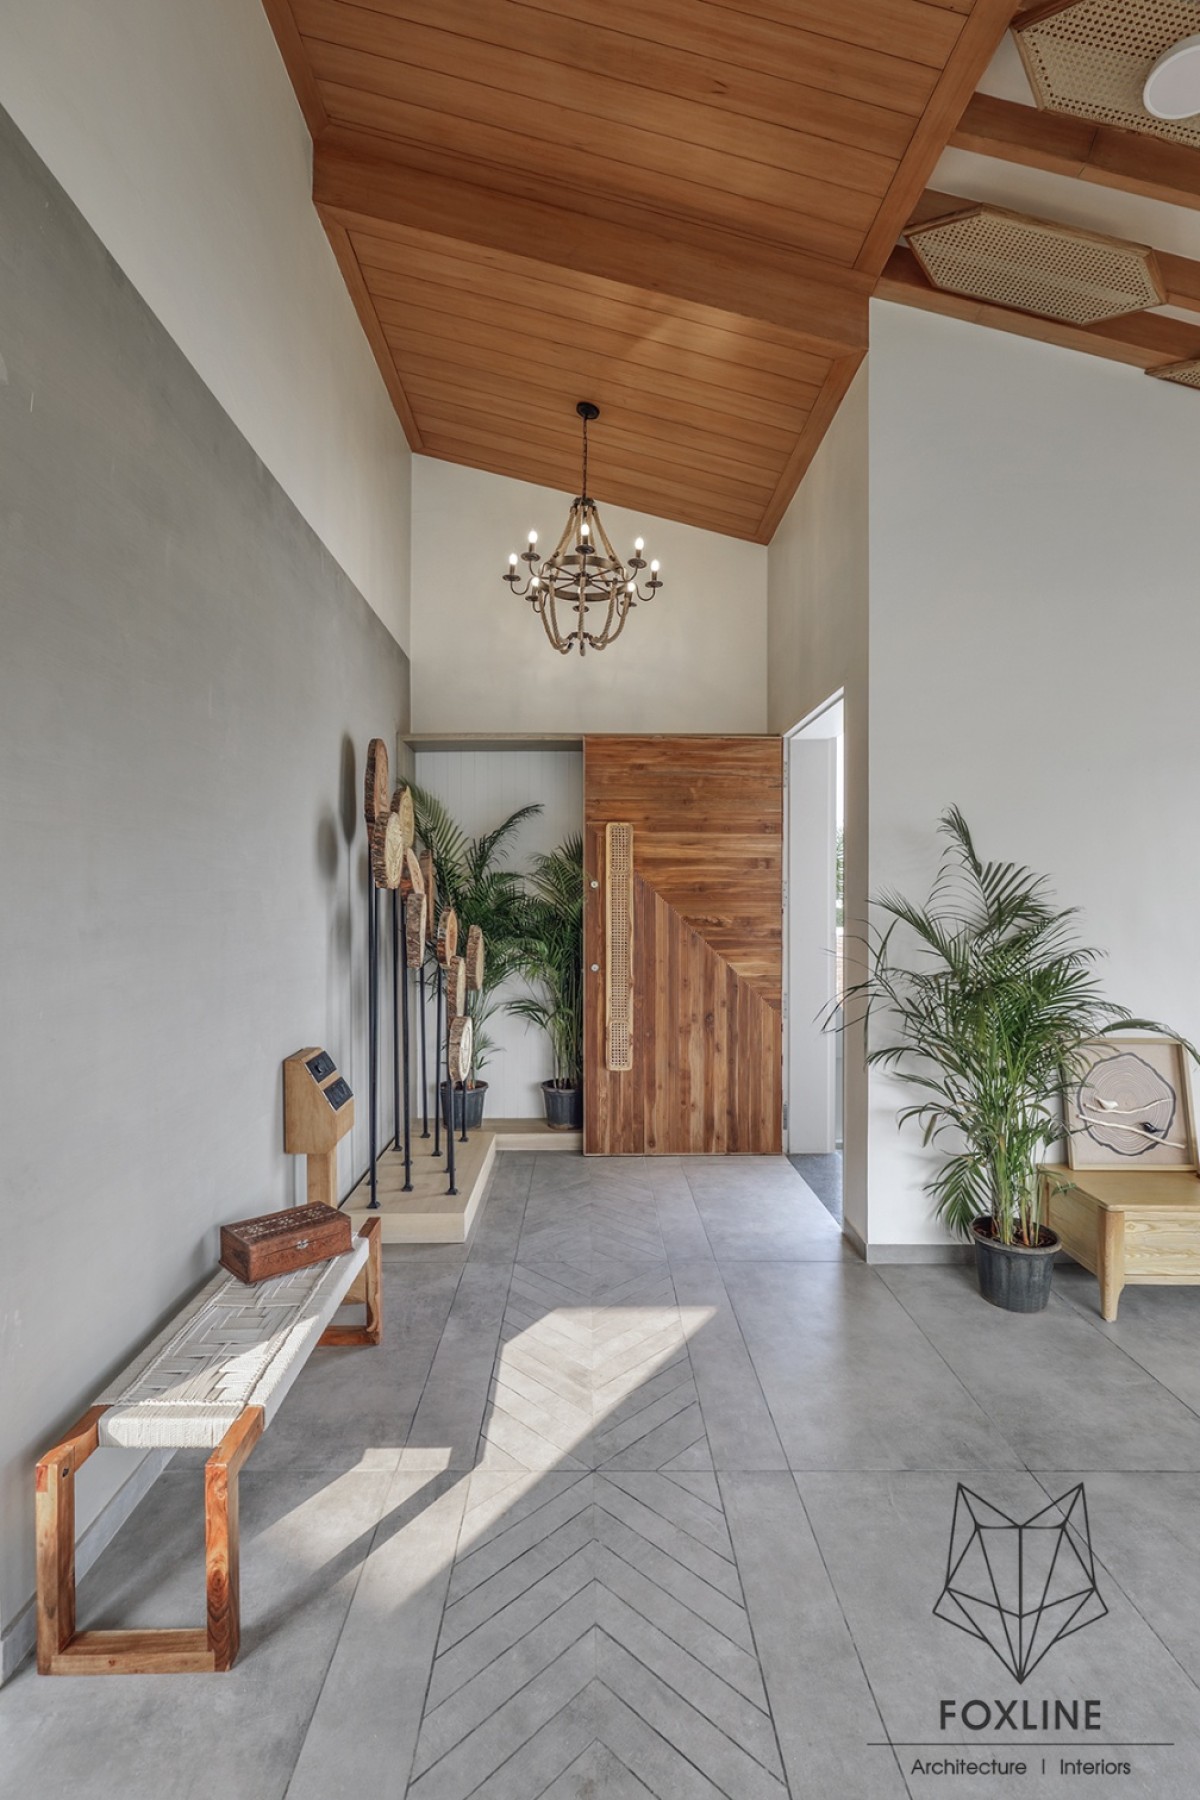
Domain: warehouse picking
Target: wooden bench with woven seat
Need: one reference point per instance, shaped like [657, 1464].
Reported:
[213, 1379]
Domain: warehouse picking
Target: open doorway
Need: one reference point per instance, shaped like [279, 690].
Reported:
[814, 915]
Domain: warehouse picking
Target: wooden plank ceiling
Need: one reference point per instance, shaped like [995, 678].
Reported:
[674, 208]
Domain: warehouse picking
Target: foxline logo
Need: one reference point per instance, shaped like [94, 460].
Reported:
[1020, 1585]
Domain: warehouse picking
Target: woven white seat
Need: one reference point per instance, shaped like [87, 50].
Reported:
[231, 1347]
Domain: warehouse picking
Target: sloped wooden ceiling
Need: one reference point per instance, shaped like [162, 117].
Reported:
[675, 208]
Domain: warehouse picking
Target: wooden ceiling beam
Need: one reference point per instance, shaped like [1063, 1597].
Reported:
[1133, 163]
[359, 186]
[1145, 340]
[981, 32]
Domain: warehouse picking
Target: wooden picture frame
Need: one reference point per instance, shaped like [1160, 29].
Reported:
[1131, 1107]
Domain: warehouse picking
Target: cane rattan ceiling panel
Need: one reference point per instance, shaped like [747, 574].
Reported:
[1089, 58]
[1185, 374]
[674, 208]
[1036, 266]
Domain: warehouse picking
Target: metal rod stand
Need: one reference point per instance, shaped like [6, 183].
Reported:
[404, 1046]
[372, 1034]
[424, 1055]
[395, 1018]
[453, 1188]
[437, 1067]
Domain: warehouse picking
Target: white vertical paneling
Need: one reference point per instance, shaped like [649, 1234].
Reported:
[481, 787]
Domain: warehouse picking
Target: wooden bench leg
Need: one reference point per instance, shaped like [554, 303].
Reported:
[371, 1332]
[55, 1515]
[221, 1546]
[61, 1650]
[1111, 1262]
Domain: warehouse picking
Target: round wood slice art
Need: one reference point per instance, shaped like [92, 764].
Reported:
[375, 784]
[456, 988]
[414, 930]
[429, 876]
[411, 879]
[475, 958]
[447, 936]
[402, 806]
[387, 851]
[462, 1043]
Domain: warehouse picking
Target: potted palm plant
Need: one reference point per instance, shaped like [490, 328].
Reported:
[472, 879]
[552, 963]
[991, 1018]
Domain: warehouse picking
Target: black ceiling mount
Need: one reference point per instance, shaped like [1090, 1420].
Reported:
[586, 410]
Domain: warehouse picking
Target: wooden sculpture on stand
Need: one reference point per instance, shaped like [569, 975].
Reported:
[445, 950]
[429, 877]
[396, 868]
[376, 789]
[318, 1111]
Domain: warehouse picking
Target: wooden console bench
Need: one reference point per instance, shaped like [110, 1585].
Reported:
[213, 1379]
[1127, 1226]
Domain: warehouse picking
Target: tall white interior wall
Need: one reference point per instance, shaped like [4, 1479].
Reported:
[693, 660]
[481, 788]
[817, 639]
[174, 128]
[1034, 641]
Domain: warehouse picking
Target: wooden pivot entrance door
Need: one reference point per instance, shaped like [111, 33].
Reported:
[683, 945]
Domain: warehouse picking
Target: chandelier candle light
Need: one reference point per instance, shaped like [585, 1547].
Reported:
[583, 570]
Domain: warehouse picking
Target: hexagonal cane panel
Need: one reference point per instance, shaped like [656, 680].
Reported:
[1036, 267]
[1090, 58]
[1183, 374]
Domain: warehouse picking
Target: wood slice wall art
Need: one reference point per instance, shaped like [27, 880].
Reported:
[475, 958]
[402, 806]
[387, 850]
[416, 914]
[429, 877]
[456, 988]
[411, 879]
[462, 1044]
[618, 933]
[447, 936]
[375, 782]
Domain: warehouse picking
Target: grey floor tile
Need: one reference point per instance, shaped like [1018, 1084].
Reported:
[740, 1430]
[364, 1729]
[850, 1379]
[825, 1714]
[1096, 1408]
[761, 1211]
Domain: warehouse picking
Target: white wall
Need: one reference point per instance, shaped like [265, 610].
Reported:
[817, 647]
[1035, 638]
[691, 661]
[482, 787]
[174, 128]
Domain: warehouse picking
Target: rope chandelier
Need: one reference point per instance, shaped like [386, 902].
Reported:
[582, 571]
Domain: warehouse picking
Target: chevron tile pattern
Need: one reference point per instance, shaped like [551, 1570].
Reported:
[594, 1641]
[595, 1633]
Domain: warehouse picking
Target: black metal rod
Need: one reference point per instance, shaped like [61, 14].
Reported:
[396, 1018]
[372, 1033]
[404, 1045]
[424, 1055]
[437, 1068]
[453, 1188]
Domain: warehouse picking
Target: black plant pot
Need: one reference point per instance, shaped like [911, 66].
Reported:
[1014, 1276]
[564, 1106]
[473, 1098]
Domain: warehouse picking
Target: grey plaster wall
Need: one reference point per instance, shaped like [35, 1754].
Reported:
[187, 684]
